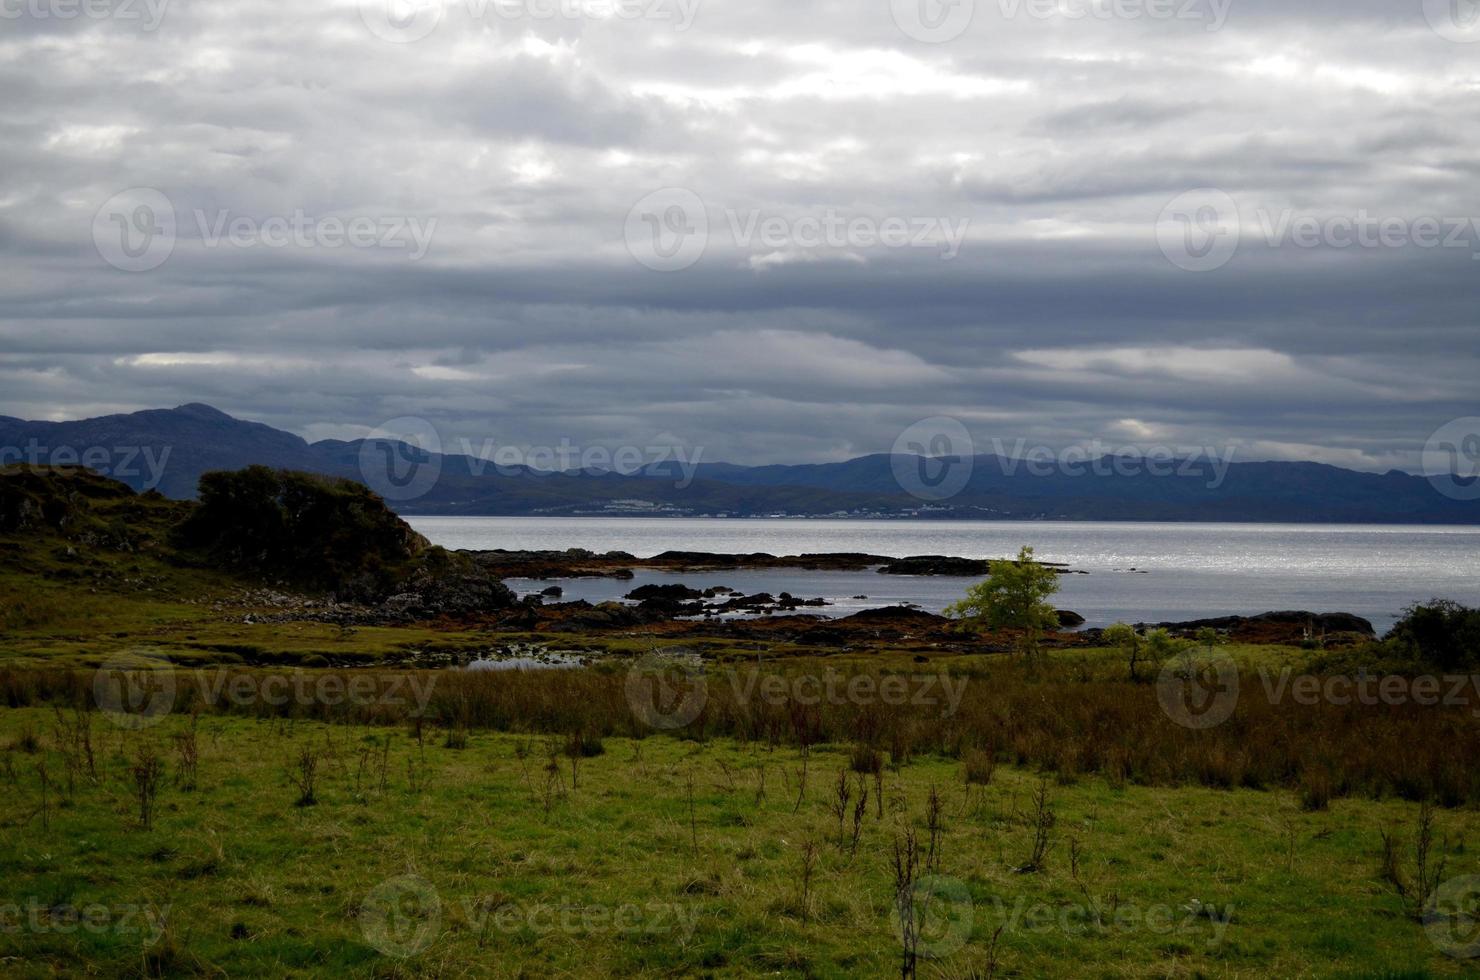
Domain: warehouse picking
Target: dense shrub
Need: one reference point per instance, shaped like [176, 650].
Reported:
[1441, 634]
[300, 528]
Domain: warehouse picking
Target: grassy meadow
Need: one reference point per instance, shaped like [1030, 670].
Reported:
[279, 843]
[199, 779]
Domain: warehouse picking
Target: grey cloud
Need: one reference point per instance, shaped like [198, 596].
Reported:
[528, 143]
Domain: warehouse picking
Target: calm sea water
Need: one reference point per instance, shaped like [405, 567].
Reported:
[1182, 571]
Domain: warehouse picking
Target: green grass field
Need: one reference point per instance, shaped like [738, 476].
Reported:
[422, 859]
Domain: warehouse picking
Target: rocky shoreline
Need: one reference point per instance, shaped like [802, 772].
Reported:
[580, 563]
[339, 556]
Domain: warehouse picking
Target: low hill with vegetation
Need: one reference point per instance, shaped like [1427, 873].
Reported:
[78, 550]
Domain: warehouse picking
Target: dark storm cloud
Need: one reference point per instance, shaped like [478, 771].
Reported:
[520, 144]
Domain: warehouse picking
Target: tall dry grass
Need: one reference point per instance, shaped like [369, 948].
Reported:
[1056, 724]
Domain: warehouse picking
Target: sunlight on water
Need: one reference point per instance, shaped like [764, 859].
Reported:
[1181, 571]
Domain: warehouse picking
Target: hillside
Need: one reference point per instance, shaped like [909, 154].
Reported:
[169, 450]
[85, 561]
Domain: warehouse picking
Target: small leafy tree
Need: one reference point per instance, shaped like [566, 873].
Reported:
[1014, 596]
[1161, 645]
[1124, 637]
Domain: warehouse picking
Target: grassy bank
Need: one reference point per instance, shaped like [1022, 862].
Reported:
[483, 854]
[1077, 715]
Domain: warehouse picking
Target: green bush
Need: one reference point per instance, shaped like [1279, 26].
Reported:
[300, 528]
[1440, 633]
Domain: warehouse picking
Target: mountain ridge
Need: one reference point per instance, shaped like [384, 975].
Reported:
[168, 449]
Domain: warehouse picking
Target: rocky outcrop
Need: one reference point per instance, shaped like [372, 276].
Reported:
[455, 590]
[675, 593]
[947, 565]
[938, 565]
[579, 563]
[54, 499]
[896, 616]
[606, 616]
[572, 563]
[1278, 627]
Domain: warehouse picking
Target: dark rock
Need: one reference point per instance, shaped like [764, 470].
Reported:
[756, 601]
[938, 565]
[608, 615]
[457, 591]
[1337, 622]
[671, 608]
[1069, 620]
[896, 615]
[554, 592]
[703, 559]
[673, 593]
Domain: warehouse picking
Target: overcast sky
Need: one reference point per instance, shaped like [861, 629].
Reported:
[776, 230]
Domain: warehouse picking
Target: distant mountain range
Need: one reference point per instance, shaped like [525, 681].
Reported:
[168, 449]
